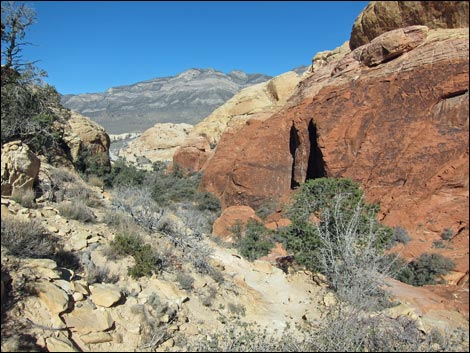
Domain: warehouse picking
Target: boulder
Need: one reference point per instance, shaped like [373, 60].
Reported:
[104, 294]
[86, 139]
[86, 319]
[158, 143]
[230, 217]
[383, 16]
[400, 129]
[52, 296]
[20, 168]
[392, 44]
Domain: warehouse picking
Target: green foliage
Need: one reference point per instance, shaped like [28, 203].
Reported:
[447, 234]
[207, 201]
[146, 260]
[320, 197]
[93, 164]
[426, 269]
[256, 242]
[122, 174]
[28, 113]
[29, 108]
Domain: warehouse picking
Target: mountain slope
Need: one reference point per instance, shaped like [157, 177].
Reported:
[185, 98]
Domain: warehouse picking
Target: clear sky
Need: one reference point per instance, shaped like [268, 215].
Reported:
[90, 46]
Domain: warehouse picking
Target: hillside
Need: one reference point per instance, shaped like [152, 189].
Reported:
[185, 98]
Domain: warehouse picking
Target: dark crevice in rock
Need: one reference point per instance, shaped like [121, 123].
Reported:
[294, 143]
[316, 164]
[454, 94]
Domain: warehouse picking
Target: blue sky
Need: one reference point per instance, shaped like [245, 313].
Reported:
[90, 46]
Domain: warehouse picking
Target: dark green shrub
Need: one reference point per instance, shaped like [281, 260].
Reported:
[207, 201]
[93, 163]
[426, 269]
[323, 197]
[122, 174]
[146, 259]
[256, 242]
[447, 234]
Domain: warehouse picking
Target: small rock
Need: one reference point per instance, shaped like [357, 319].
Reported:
[52, 296]
[61, 344]
[96, 337]
[105, 294]
[85, 320]
[77, 296]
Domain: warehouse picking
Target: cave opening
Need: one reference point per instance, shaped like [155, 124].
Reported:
[294, 143]
[316, 164]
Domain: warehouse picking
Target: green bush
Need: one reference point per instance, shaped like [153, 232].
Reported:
[323, 197]
[28, 113]
[122, 174]
[426, 269]
[146, 260]
[256, 242]
[447, 234]
[93, 163]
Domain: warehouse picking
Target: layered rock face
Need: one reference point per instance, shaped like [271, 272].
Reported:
[255, 102]
[158, 143]
[398, 125]
[20, 168]
[383, 16]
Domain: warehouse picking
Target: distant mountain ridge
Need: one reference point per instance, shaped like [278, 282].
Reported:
[185, 98]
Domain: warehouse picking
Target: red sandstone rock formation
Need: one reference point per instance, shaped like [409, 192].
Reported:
[400, 128]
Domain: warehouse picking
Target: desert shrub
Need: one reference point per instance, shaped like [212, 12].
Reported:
[207, 201]
[237, 309]
[186, 281]
[146, 259]
[139, 205]
[96, 181]
[117, 218]
[439, 244]
[122, 174]
[256, 242]
[99, 274]
[447, 234]
[426, 269]
[25, 198]
[320, 197]
[340, 331]
[27, 238]
[76, 210]
[28, 114]
[400, 235]
[268, 207]
[349, 330]
[351, 258]
[93, 163]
